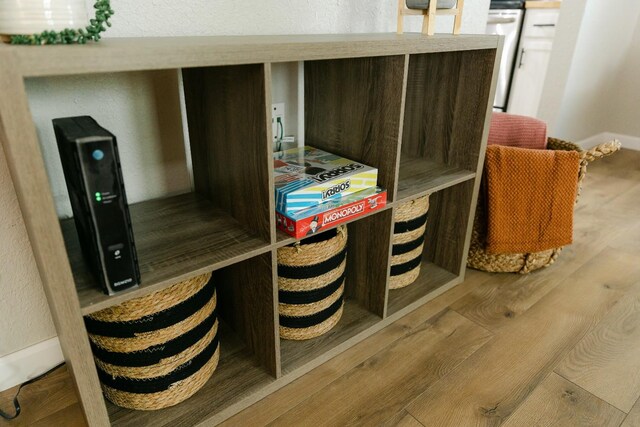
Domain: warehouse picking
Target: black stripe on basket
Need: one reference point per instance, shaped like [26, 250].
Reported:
[158, 384]
[311, 296]
[399, 269]
[314, 270]
[155, 321]
[412, 224]
[154, 354]
[312, 320]
[320, 237]
[404, 248]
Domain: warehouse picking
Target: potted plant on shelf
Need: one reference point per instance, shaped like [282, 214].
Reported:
[37, 22]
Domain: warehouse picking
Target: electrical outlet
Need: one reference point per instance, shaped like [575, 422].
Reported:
[277, 113]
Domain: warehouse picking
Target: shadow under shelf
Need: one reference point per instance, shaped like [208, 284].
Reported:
[176, 238]
[431, 282]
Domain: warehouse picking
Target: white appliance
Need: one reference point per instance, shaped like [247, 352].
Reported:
[507, 23]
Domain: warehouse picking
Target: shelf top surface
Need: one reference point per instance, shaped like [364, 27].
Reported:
[152, 53]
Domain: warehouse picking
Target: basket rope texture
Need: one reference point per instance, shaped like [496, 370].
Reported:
[311, 278]
[410, 224]
[525, 263]
[156, 351]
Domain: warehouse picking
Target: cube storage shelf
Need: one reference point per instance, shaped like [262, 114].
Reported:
[415, 107]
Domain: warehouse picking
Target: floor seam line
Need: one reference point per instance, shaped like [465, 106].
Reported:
[589, 393]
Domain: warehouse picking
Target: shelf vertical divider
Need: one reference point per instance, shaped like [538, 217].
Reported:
[405, 78]
[368, 260]
[353, 108]
[226, 113]
[26, 166]
[276, 316]
[483, 148]
[394, 192]
[268, 101]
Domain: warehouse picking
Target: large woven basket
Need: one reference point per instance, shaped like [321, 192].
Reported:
[527, 262]
[410, 223]
[311, 277]
[156, 351]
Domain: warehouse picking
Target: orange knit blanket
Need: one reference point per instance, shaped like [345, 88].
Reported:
[531, 194]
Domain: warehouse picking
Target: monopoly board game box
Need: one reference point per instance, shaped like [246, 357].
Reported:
[315, 219]
[307, 176]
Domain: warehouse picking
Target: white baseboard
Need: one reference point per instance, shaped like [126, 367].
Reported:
[18, 367]
[629, 142]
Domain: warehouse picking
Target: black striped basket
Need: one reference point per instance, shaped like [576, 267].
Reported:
[311, 277]
[410, 223]
[156, 351]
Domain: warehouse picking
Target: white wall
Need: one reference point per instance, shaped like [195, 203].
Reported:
[142, 109]
[624, 100]
[564, 46]
[599, 86]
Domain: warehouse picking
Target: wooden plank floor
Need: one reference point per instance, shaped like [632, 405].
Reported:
[558, 347]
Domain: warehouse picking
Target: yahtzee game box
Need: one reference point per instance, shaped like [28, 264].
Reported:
[307, 176]
[315, 219]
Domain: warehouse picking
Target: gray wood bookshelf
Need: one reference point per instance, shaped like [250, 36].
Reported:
[416, 107]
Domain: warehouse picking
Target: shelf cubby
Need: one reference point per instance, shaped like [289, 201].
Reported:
[247, 301]
[431, 280]
[355, 320]
[365, 290]
[238, 375]
[368, 261]
[249, 347]
[230, 141]
[448, 225]
[212, 226]
[444, 248]
[353, 109]
[445, 110]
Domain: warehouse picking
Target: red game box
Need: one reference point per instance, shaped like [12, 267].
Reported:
[331, 213]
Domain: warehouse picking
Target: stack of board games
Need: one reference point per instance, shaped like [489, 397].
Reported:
[316, 190]
[329, 214]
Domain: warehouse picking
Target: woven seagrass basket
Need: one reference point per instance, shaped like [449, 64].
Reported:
[156, 351]
[311, 277]
[527, 262]
[410, 223]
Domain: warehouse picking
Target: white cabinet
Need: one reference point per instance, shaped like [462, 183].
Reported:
[530, 71]
[532, 61]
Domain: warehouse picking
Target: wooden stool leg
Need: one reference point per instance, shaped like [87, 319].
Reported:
[429, 20]
[458, 20]
[400, 16]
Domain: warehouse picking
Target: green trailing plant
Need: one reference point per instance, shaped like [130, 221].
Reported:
[96, 26]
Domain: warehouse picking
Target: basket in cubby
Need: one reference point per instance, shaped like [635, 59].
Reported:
[311, 276]
[155, 351]
[410, 223]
